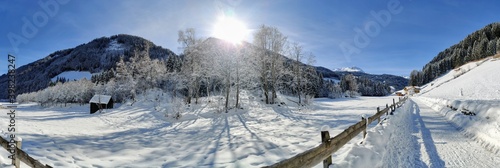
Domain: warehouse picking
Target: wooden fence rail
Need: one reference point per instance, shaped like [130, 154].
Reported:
[23, 156]
[323, 152]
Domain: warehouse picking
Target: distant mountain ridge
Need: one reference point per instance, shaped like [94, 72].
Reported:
[397, 82]
[349, 69]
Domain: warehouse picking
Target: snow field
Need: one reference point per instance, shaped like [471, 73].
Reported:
[139, 136]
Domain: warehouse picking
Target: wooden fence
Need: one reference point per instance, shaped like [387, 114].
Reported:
[323, 152]
[22, 156]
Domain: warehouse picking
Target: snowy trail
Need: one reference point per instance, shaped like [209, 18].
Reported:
[443, 145]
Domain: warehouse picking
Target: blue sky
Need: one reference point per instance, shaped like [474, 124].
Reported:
[416, 31]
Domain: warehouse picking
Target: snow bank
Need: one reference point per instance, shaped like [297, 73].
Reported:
[484, 123]
[5, 162]
[394, 134]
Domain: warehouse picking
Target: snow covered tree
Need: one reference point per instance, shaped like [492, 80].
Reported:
[415, 78]
[297, 55]
[349, 85]
[270, 43]
[124, 84]
[312, 81]
[191, 67]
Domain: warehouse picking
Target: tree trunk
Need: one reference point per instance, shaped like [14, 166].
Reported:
[237, 87]
[265, 88]
[300, 98]
[197, 91]
[267, 96]
[208, 86]
[228, 87]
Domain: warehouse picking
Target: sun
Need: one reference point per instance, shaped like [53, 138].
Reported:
[230, 29]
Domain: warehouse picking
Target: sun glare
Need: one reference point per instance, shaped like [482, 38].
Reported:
[230, 29]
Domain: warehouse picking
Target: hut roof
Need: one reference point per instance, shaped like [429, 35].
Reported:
[101, 99]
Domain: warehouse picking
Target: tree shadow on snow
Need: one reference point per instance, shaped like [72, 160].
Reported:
[430, 147]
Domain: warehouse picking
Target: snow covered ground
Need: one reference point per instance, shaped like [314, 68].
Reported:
[474, 87]
[419, 136]
[430, 130]
[137, 136]
[433, 130]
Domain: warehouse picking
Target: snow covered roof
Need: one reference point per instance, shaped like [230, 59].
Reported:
[101, 99]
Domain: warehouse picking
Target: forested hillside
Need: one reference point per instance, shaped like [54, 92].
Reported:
[99, 55]
[478, 45]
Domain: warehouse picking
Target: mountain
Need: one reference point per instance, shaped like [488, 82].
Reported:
[99, 55]
[349, 69]
[397, 82]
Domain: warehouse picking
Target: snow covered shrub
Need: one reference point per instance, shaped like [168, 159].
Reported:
[175, 108]
[351, 94]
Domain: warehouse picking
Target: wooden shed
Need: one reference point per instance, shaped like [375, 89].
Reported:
[99, 102]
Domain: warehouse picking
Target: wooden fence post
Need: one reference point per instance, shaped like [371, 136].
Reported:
[399, 102]
[364, 127]
[325, 137]
[378, 111]
[17, 160]
[394, 104]
[387, 107]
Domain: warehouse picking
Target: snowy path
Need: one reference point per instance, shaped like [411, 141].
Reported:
[442, 145]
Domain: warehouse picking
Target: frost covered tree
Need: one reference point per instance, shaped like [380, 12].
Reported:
[312, 81]
[297, 55]
[62, 93]
[349, 85]
[124, 84]
[191, 67]
[269, 45]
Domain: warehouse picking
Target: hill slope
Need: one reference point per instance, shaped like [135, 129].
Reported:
[475, 80]
[98, 55]
[476, 46]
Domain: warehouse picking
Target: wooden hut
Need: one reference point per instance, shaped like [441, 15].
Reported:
[99, 102]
